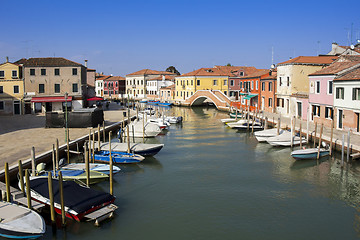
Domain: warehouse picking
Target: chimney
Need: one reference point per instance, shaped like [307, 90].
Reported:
[7, 59]
[86, 63]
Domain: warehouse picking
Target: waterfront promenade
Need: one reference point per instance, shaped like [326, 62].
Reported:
[18, 134]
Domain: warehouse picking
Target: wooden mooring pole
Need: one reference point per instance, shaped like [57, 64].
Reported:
[51, 198]
[321, 132]
[331, 136]
[300, 133]
[342, 150]
[7, 182]
[61, 190]
[33, 161]
[87, 168]
[111, 167]
[98, 138]
[315, 135]
[28, 191]
[21, 176]
[348, 147]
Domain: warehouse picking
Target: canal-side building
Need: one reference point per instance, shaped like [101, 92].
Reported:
[136, 83]
[293, 81]
[347, 99]
[268, 92]
[234, 80]
[114, 87]
[11, 89]
[250, 90]
[46, 80]
[321, 90]
[154, 85]
[201, 79]
[336, 49]
[99, 84]
[167, 93]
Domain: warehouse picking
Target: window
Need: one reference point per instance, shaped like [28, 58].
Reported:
[231, 82]
[192, 82]
[215, 82]
[32, 72]
[279, 81]
[256, 85]
[225, 82]
[252, 85]
[329, 112]
[280, 102]
[316, 110]
[105, 92]
[41, 88]
[43, 72]
[16, 89]
[240, 84]
[187, 82]
[74, 71]
[356, 94]
[270, 102]
[263, 86]
[241, 74]
[14, 74]
[330, 87]
[317, 87]
[56, 71]
[57, 88]
[288, 81]
[299, 109]
[1, 89]
[75, 87]
[1, 105]
[198, 82]
[105, 84]
[270, 86]
[2, 74]
[339, 93]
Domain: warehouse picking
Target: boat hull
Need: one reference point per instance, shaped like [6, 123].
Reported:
[118, 157]
[308, 154]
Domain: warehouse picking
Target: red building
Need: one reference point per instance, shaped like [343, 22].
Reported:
[114, 87]
[268, 92]
[250, 90]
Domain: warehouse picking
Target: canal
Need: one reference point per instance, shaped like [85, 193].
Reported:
[212, 182]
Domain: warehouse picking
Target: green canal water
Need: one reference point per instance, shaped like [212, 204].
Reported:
[212, 182]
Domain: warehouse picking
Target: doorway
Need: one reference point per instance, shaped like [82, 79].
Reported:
[48, 107]
[357, 122]
[17, 110]
[340, 118]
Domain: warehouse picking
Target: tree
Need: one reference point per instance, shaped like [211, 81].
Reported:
[228, 65]
[173, 70]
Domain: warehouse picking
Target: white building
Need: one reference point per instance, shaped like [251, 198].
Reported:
[153, 85]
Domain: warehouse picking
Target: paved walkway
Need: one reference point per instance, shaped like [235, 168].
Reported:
[18, 134]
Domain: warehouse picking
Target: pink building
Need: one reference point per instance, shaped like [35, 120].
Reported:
[321, 90]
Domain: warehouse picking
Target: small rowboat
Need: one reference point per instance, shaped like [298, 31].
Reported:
[118, 157]
[79, 175]
[20, 222]
[310, 153]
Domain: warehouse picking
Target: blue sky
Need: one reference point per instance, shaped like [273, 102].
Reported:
[121, 37]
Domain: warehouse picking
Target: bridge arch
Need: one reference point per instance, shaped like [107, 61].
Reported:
[200, 100]
[219, 99]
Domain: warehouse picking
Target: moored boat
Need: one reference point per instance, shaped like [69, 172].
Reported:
[136, 129]
[117, 157]
[309, 153]
[19, 222]
[78, 175]
[263, 135]
[165, 104]
[98, 167]
[78, 200]
[143, 149]
[284, 140]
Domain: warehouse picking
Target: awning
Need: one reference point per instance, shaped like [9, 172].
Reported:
[248, 97]
[95, 99]
[51, 99]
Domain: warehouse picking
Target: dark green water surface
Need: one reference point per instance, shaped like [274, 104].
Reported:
[212, 182]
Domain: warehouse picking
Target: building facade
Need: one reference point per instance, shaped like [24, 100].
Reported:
[114, 87]
[268, 92]
[47, 80]
[11, 89]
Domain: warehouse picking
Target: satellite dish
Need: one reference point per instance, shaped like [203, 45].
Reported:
[352, 47]
[272, 65]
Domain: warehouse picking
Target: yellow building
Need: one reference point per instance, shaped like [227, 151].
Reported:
[201, 79]
[11, 89]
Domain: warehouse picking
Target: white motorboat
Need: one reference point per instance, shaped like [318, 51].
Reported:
[263, 135]
[228, 120]
[243, 124]
[309, 153]
[161, 122]
[285, 140]
[237, 123]
[136, 129]
[20, 222]
[143, 149]
[173, 119]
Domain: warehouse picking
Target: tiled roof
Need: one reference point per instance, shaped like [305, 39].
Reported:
[103, 77]
[356, 48]
[334, 68]
[310, 60]
[272, 77]
[351, 75]
[167, 77]
[115, 78]
[258, 73]
[234, 71]
[205, 72]
[48, 62]
[150, 72]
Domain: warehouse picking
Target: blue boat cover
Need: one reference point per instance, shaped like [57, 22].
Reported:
[76, 197]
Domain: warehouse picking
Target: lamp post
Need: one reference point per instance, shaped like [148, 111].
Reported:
[66, 118]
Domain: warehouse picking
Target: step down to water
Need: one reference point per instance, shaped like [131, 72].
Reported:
[101, 214]
[15, 193]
